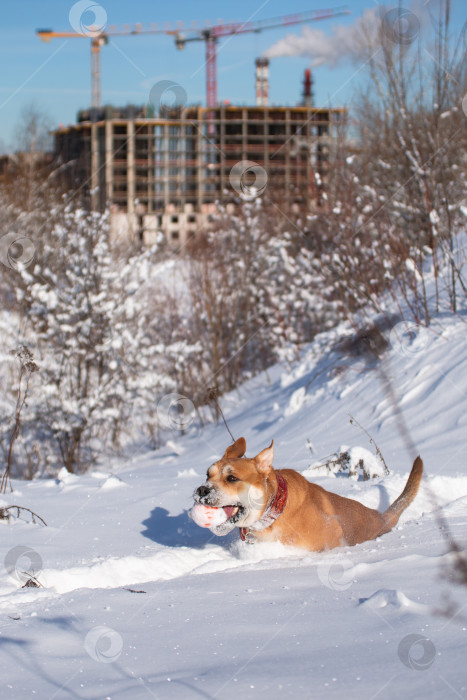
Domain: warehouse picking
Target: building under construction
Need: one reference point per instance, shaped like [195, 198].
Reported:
[167, 171]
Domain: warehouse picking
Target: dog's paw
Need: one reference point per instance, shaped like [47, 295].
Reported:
[249, 537]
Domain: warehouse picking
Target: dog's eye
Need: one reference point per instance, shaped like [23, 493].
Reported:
[232, 478]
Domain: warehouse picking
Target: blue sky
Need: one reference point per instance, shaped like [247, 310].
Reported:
[56, 76]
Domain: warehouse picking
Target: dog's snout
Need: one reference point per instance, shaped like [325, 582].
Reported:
[203, 491]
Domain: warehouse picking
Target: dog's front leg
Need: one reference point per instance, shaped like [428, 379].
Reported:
[248, 536]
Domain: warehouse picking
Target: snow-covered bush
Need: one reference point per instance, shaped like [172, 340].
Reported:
[395, 198]
[93, 324]
[254, 295]
[354, 462]
[112, 339]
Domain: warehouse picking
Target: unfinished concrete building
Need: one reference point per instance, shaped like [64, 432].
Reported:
[167, 173]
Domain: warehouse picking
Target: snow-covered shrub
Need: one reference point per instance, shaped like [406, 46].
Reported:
[254, 295]
[395, 197]
[112, 339]
[352, 461]
[93, 323]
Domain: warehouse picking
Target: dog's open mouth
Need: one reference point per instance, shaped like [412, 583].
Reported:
[230, 511]
[234, 513]
[219, 519]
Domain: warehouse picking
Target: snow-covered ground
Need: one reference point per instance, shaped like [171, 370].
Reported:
[138, 602]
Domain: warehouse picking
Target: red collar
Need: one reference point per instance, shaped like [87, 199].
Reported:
[273, 510]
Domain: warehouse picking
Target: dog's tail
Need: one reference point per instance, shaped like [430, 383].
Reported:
[393, 513]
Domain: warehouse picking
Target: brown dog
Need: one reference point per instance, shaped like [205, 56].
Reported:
[282, 505]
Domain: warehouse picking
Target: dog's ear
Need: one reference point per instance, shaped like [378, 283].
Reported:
[238, 449]
[264, 459]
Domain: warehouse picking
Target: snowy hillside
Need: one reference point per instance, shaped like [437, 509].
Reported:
[136, 601]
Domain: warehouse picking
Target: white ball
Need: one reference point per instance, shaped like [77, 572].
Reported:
[207, 516]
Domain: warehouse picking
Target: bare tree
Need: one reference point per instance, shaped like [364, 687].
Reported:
[33, 131]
